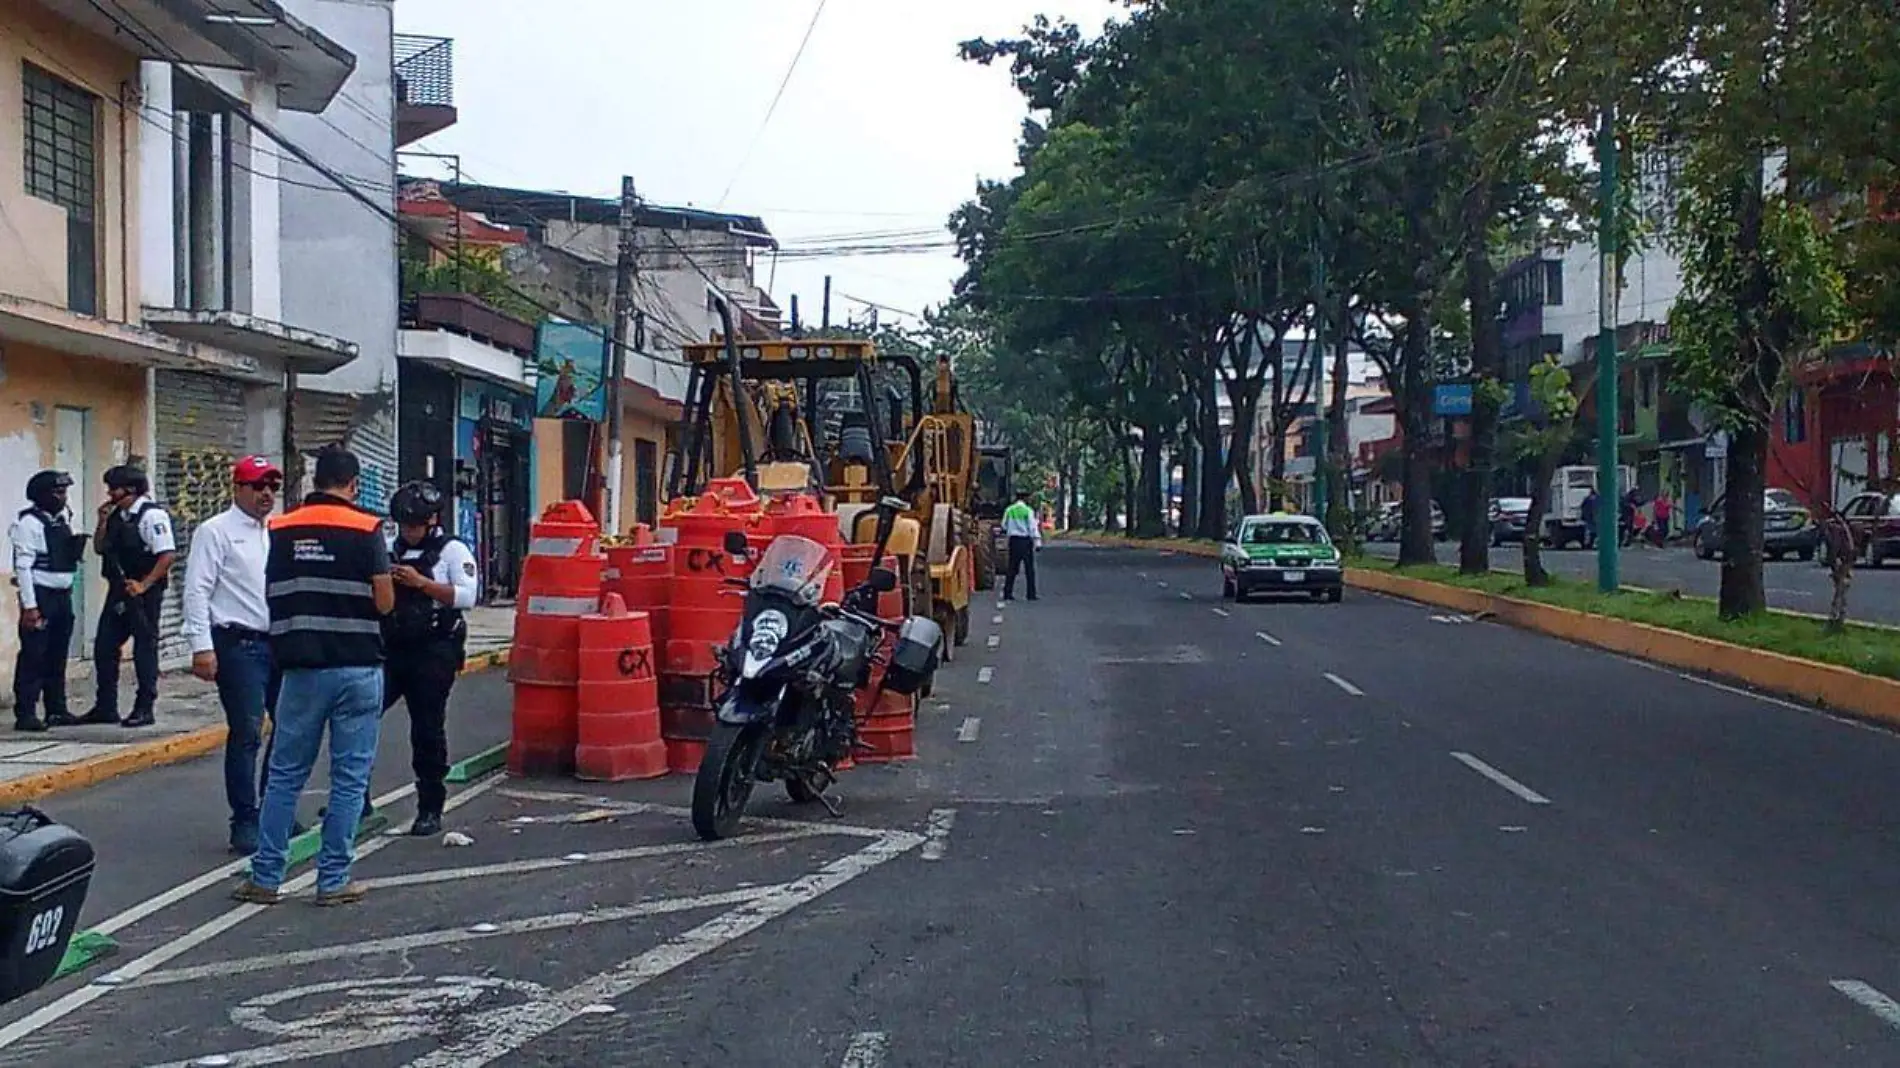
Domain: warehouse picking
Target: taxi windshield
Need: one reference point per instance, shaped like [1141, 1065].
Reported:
[1285, 534]
[794, 566]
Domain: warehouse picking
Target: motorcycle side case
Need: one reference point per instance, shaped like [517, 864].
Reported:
[45, 872]
[914, 655]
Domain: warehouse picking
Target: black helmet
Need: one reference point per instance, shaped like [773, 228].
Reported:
[127, 477]
[41, 487]
[416, 502]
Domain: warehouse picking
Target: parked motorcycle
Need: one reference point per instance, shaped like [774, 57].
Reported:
[792, 671]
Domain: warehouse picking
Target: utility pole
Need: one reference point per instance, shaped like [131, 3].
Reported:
[1609, 489]
[824, 321]
[617, 354]
[1323, 452]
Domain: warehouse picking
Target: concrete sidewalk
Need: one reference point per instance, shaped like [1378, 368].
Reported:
[190, 723]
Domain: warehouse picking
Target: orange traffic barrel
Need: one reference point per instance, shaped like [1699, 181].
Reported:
[643, 577]
[891, 730]
[802, 515]
[618, 737]
[566, 528]
[544, 730]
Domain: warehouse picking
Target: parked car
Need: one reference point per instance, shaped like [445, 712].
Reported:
[1874, 517]
[1281, 553]
[1508, 517]
[1389, 526]
[1786, 528]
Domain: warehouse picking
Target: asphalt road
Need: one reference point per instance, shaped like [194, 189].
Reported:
[1157, 830]
[1792, 585]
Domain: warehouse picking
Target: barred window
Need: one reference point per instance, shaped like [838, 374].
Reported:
[61, 126]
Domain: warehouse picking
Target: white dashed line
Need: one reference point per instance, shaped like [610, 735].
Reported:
[996, 620]
[967, 732]
[1343, 684]
[1870, 999]
[995, 640]
[867, 1050]
[1268, 638]
[1186, 596]
[1163, 585]
[937, 833]
[1221, 612]
[1522, 791]
[986, 674]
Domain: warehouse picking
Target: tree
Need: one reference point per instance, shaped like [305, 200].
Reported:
[1542, 438]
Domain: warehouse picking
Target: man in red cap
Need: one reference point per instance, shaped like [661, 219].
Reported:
[227, 622]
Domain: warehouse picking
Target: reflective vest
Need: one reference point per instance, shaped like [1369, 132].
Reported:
[322, 604]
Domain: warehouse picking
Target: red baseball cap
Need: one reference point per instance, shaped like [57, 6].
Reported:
[255, 469]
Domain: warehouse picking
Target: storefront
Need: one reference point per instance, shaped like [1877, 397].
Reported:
[494, 439]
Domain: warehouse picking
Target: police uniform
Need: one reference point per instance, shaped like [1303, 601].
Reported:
[427, 641]
[45, 567]
[134, 539]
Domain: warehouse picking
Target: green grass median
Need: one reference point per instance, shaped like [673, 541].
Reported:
[1867, 649]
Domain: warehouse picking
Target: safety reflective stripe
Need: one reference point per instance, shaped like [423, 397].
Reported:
[554, 547]
[562, 606]
[54, 580]
[314, 584]
[325, 625]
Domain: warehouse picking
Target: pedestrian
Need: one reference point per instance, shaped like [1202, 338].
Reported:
[227, 624]
[46, 556]
[1588, 514]
[1025, 536]
[328, 585]
[135, 544]
[1664, 509]
[427, 637]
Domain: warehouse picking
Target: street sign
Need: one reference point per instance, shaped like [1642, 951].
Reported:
[1452, 399]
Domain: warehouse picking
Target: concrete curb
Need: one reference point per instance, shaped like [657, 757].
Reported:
[157, 753]
[1839, 689]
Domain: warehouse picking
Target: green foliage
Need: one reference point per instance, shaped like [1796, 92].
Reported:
[467, 272]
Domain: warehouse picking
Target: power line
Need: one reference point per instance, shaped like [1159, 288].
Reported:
[776, 97]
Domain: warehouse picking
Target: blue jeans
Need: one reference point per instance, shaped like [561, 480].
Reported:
[348, 701]
[245, 678]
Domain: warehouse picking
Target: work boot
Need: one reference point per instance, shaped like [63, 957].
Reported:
[427, 825]
[244, 839]
[252, 894]
[100, 717]
[61, 719]
[140, 718]
[347, 894]
[29, 724]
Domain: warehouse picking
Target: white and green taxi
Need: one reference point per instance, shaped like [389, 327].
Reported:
[1280, 553]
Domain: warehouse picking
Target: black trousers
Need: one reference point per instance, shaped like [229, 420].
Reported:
[1022, 557]
[40, 669]
[135, 618]
[421, 677]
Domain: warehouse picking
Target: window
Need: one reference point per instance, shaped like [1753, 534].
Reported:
[61, 154]
[646, 478]
[1794, 418]
[1553, 282]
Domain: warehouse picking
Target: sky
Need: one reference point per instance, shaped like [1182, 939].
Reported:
[882, 128]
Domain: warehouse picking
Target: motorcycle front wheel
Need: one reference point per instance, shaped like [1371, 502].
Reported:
[724, 782]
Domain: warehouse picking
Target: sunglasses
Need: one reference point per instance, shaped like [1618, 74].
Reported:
[270, 484]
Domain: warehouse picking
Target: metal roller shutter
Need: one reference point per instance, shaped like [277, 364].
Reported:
[200, 434]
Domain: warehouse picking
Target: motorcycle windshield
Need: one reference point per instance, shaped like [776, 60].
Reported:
[794, 567]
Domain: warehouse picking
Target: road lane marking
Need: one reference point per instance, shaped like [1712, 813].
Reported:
[995, 640]
[867, 1050]
[937, 833]
[1496, 776]
[1268, 638]
[492, 1037]
[967, 732]
[605, 856]
[1186, 596]
[996, 620]
[986, 674]
[1222, 612]
[1163, 585]
[453, 935]
[102, 985]
[650, 808]
[1344, 685]
[1870, 999]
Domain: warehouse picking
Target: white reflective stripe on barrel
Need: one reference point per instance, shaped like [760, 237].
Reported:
[562, 606]
[554, 547]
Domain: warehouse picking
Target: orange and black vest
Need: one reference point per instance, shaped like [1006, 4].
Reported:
[322, 606]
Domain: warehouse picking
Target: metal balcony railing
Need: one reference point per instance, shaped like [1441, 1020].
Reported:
[425, 70]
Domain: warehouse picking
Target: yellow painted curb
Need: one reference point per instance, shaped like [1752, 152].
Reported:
[1841, 689]
[156, 753]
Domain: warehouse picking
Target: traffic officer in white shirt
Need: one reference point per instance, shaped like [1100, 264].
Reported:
[134, 540]
[426, 637]
[46, 556]
[227, 623]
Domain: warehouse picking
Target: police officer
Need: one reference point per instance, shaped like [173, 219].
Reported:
[45, 565]
[134, 541]
[426, 636]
